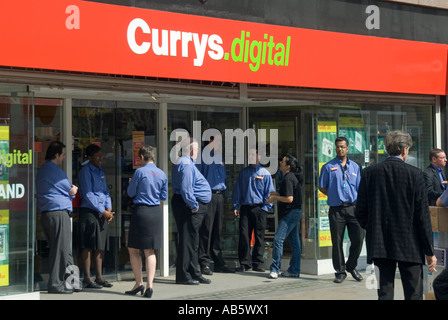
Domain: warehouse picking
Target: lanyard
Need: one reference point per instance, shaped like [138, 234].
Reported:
[343, 170]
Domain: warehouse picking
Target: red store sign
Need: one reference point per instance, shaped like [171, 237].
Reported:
[100, 38]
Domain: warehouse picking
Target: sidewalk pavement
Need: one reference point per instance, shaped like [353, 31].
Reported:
[249, 285]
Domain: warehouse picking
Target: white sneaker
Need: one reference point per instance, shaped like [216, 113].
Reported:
[273, 275]
[290, 275]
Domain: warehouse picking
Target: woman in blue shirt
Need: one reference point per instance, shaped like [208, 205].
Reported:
[95, 214]
[148, 186]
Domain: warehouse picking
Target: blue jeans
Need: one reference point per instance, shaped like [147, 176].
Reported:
[288, 227]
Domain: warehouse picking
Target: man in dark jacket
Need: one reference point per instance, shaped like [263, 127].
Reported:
[393, 208]
[435, 176]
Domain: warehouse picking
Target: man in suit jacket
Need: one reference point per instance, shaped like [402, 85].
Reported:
[393, 208]
[435, 176]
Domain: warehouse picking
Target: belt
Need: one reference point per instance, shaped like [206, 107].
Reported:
[217, 191]
[347, 204]
[47, 211]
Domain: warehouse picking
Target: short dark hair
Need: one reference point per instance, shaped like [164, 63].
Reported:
[55, 148]
[92, 149]
[434, 153]
[340, 139]
[148, 153]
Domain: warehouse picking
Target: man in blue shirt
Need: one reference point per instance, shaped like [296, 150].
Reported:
[54, 194]
[339, 180]
[250, 194]
[213, 169]
[190, 200]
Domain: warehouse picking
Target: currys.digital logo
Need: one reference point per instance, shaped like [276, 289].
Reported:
[174, 43]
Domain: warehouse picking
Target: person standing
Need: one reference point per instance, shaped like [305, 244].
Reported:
[213, 169]
[393, 208]
[54, 194]
[95, 214]
[435, 176]
[440, 283]
[148, 187]
[191, 195]
[289, 215]
[339, 180]
[250, 194]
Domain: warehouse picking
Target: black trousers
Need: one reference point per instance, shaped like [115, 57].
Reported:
[411, 278]
[209, 234]
[252, 218]
[341, 217]
[188, 225]
[440, 285]
[57, 229]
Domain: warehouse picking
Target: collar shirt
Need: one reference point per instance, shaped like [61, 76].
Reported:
[215, 173]
[253, 186]
[148, 185]
[341, 183]
[52, 187]
[190, 183]
[93, 188]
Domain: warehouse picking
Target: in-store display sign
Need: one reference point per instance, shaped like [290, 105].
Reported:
[82, 36]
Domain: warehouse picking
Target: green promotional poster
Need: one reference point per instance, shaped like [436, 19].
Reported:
[353, 129]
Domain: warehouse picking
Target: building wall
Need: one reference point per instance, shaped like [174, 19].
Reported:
[397, 19]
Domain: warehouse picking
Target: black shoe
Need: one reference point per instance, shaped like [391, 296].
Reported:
[63, 291]
[188, 282]
[243, 268]
[104, 283]
[92, 285]
[225, 269]
[148, 293]
[340, 278]
[356, 275]
[204, 280]
[259, 269]
[135, 291]
[207, 271]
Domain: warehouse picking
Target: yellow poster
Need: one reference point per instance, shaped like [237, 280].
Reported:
[324, 238]
[4, 248]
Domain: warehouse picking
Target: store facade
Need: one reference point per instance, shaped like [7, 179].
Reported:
[138, 75]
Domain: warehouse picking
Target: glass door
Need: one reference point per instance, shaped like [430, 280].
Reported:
[16, 190]
[47, 128]
[120, 129]
[206, 117]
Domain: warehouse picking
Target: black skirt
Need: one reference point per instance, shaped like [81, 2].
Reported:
[93, 230]
[145, 230]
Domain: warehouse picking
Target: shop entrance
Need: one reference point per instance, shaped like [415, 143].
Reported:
[206, 117]
[309, 131]
[120, 129]
[48, 115]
